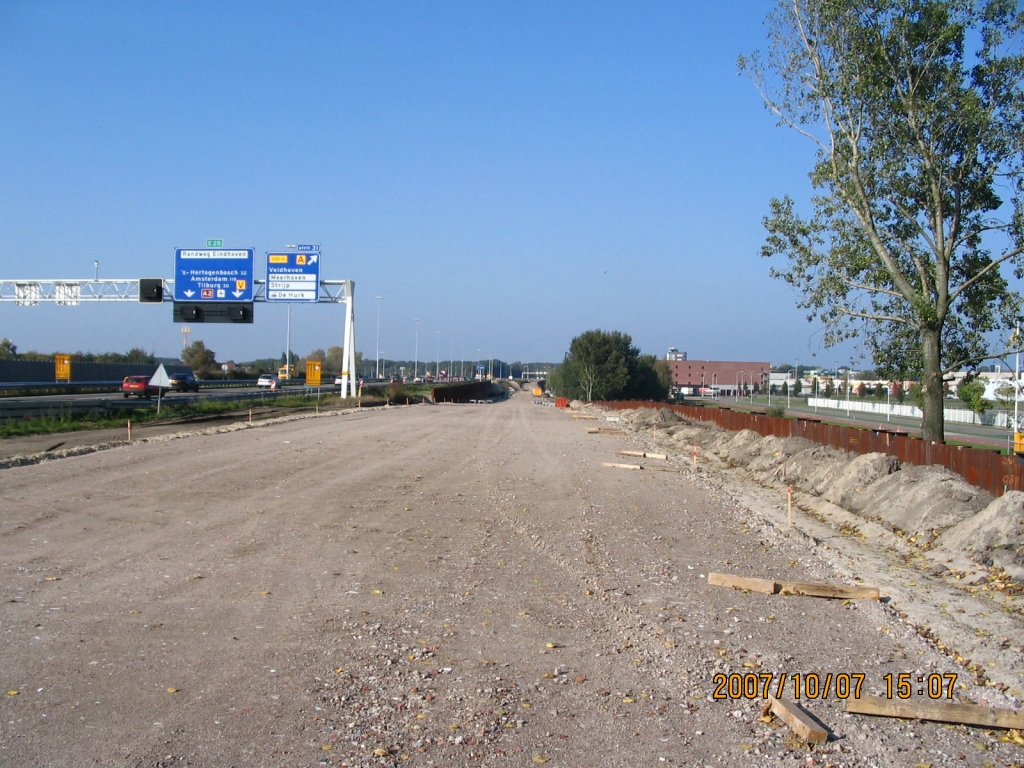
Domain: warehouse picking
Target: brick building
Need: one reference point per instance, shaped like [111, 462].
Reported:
[723, 376]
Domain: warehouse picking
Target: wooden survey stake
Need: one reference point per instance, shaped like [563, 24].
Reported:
[798, 720]
[939, 711]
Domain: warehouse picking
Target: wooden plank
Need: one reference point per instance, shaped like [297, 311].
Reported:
[798, 720]
[643, 455]
[939, 711]
[603, 431]
[583, 416]
[621, 466]
[739, 582]
[802, 588]
[811, 589]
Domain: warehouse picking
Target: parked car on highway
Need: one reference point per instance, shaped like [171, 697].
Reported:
[183, 382]
[267, 380]
[139, 386]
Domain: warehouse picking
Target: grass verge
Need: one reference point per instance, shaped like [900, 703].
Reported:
[116, 418]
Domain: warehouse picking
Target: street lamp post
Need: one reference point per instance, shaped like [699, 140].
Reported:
[1016, 385]
[437, 366]
[416, 354]
[377, 369]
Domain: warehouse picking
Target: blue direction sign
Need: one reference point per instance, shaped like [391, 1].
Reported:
[293, 276]
[213, 274]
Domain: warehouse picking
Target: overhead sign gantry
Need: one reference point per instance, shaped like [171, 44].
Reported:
[72, 292]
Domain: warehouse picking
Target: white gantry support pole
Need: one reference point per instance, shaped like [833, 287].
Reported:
[348, 363]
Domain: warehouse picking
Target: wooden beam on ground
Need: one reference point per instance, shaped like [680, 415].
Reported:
[799, 720]
[811, 589]
[942, 712]
[801, 588]
[766, 586]
[605, 431]
[642, 455]
[621, 466]
[583, 416]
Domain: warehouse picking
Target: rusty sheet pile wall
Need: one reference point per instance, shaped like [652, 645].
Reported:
[988, 469]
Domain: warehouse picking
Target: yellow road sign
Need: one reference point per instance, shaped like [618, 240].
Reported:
[62, 367]
[313, 373]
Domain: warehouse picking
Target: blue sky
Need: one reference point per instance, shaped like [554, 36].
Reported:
[510, 173]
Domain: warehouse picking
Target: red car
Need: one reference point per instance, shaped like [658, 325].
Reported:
[138, 385]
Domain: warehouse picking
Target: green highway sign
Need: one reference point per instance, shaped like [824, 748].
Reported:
[214, 243]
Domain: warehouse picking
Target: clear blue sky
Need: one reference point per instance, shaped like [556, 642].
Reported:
[511, 173]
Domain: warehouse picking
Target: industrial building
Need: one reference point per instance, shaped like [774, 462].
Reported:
[715, 377]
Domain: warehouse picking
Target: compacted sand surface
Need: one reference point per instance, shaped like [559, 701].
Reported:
[437, 585]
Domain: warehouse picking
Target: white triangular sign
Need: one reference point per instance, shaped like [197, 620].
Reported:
[160, 378]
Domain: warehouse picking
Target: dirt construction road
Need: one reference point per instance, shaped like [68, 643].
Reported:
[451, 585]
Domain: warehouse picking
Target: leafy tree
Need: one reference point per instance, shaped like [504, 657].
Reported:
[595, 366]
[335, 358]
[8, 351]
[798, 387]
[972, 393]
[919, 175]
[649, 379]
[199, 357]
[604, 365]
[862, 390]
[1005, 395]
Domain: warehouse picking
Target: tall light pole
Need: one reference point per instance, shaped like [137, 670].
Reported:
[1016, 386]
[377, 369]
[416, 355]
[437, 364]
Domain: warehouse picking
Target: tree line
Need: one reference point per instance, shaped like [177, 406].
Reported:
[9, 351]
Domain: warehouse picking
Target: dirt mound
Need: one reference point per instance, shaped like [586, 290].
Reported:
[995, 533]
[921, 501]
[815, 469]
[650, 417]
[848, 488]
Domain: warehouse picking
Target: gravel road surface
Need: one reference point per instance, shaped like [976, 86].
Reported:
[449, 585]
